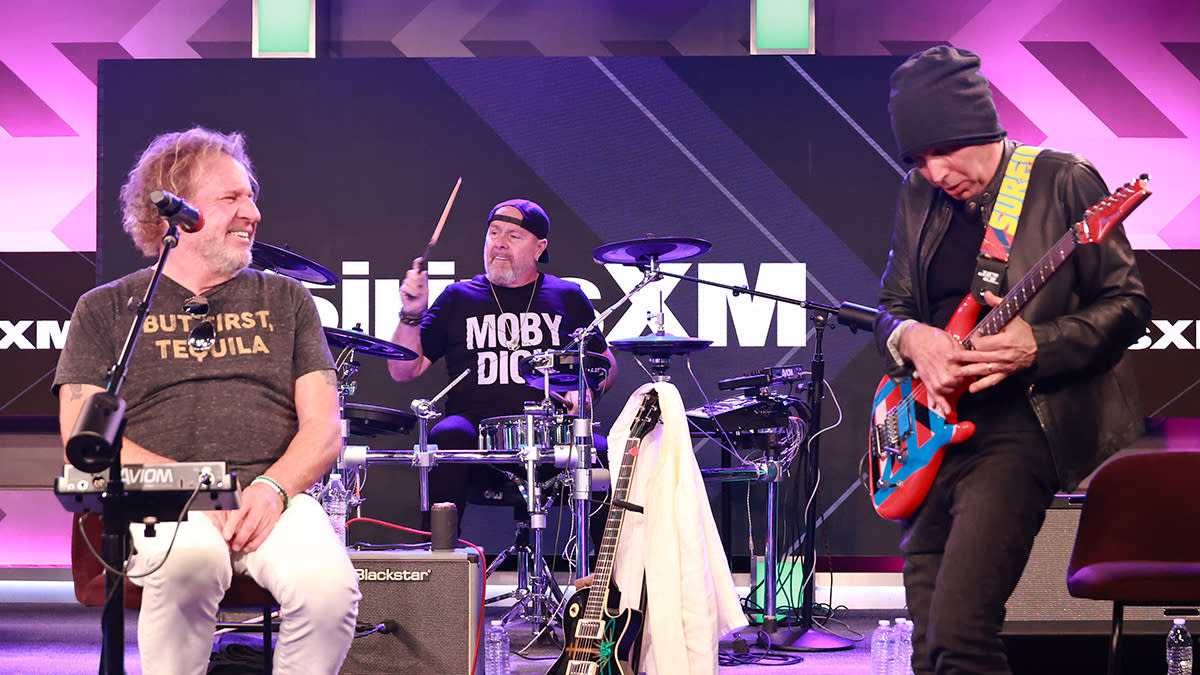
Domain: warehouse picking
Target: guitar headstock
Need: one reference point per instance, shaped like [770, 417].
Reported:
[1106, 214]
[646, 417]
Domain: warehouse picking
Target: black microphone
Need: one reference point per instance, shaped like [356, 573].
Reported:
[93, 443]
[178, 211]
[857, 317]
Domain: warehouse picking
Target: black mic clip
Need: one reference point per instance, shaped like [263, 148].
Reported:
[177, 211]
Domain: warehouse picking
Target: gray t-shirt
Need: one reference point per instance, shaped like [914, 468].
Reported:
[234, 402]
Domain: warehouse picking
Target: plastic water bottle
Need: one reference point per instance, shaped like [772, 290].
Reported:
[495, 650]
[1179, 650]
[902, 665]
[881, 649]
[334, 501]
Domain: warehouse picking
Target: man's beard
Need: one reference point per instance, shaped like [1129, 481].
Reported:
[225, 260]
[504, 275]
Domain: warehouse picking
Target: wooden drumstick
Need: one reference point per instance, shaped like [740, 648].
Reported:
[437, 232]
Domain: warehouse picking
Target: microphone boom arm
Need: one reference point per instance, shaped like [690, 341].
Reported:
[848, 313]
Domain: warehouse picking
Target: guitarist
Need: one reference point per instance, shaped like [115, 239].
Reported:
[1050, 395]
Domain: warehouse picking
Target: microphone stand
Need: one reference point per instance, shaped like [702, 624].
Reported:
[582, 437]
[806, 636]
[95, 444]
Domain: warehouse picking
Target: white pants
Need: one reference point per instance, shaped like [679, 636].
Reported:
[301, 563]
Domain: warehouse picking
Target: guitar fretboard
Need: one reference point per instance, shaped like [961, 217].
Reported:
[1025, 289]
[606, 556]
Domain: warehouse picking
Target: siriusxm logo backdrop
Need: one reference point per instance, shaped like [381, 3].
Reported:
[374, 303]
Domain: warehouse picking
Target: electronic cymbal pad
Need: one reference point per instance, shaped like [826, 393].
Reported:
[287, 264]
[658, 348]
[660, 344]
[370, 345]
[660, 249]
[371, 420]
[563, 369]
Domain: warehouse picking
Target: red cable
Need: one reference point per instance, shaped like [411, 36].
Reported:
[482, 562]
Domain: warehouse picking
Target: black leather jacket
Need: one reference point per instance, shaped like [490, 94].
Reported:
[1081, 387]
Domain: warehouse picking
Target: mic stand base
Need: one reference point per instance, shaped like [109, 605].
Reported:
[795, 639]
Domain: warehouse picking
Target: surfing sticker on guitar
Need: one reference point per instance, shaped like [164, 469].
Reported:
[907, 438]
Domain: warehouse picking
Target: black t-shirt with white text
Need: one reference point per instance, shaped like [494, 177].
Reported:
[473, 324]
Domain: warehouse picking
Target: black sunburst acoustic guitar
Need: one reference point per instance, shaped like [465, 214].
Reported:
[600, 639]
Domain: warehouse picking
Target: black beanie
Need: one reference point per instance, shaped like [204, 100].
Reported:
[939, 98]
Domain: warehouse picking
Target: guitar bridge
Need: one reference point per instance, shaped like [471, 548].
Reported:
[887, 440]
[891, 431]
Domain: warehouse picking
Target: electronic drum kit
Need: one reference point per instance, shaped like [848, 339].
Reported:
[550, 371]
[541, 434]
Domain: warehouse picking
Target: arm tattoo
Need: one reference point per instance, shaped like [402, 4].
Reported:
[330, 377]
[74, 392]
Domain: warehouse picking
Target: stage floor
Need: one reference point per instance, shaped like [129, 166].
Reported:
[64, 639]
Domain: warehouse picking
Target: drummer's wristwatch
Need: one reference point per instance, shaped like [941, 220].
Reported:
[411, 319]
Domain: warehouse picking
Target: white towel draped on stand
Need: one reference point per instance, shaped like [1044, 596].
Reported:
[691, 601]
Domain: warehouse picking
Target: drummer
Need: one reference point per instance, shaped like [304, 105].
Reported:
[488, 324]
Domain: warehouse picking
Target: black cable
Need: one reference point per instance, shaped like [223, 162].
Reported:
[387, 626]
[236, 657]
[742, 654]
[540, 658]
[759, 657]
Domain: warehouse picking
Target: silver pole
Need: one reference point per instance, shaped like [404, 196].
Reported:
[582, 475]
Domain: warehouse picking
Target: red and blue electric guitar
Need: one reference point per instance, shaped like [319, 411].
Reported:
[601, 640]
[907, 438]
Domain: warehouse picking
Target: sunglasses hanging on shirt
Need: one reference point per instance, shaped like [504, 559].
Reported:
[204, 333]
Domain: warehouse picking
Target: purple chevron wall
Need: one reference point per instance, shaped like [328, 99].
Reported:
[1119, 85]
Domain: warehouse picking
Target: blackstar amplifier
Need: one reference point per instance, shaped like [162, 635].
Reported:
[432, 598]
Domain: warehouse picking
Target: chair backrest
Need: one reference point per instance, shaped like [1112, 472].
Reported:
[87, 571]
[1141, 507]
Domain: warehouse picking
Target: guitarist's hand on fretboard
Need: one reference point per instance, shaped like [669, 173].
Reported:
[937, 359]
[997, 356]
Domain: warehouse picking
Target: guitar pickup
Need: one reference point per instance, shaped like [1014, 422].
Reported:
[591, 629]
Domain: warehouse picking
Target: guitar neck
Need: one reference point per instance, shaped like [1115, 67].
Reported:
[1023, 292]
[606, 556]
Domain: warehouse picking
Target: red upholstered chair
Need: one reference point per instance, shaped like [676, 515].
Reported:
[1136, 543]
[88, 575]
